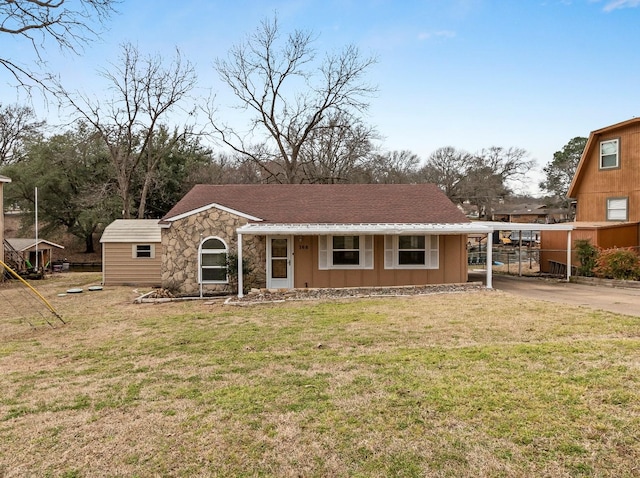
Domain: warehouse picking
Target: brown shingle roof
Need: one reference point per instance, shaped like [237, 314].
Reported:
[327, 203]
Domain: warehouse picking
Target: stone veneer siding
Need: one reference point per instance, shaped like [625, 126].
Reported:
[181, 241]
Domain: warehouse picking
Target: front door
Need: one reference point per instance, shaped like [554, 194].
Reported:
[279, 262]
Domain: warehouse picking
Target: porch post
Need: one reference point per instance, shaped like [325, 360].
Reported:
[489, 260]
[240, 285]
[568, 255]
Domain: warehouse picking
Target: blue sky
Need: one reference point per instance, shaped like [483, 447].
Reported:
[464, 73]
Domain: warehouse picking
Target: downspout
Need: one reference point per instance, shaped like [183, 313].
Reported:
[240, 285]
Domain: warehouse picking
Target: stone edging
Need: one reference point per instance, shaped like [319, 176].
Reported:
[273, 296]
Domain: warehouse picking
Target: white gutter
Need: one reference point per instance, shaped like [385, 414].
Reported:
[390, 229]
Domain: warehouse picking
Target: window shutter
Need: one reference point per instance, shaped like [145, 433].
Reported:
[323, 253]
[368, 252]
[389, 263]
[432, 249]
[617, 209]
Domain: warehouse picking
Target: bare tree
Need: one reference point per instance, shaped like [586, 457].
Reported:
[17, 124]
[492, 173]
[335, 150]
[390, 167]
[290, 96]
[447, 167]
[145, 91]
[69, 24]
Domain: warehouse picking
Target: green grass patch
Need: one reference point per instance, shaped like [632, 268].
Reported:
[460, 385]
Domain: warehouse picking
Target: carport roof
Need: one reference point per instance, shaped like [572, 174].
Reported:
[529, 226]
[390, 229]
[397, 228]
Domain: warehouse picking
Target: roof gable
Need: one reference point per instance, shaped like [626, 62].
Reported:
[132, 230]
[325, 203]
[21, 244]
[592, 143]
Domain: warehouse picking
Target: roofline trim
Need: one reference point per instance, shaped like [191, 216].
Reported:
[396, 229]
[34, 243]
[209, 206]
[355, 228]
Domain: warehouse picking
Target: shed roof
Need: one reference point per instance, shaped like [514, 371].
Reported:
[132, 230]
[21, 244]
[324, 203]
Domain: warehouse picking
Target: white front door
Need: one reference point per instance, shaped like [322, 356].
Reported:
[279, 262]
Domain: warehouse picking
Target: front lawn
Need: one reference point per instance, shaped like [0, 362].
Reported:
[468, 384]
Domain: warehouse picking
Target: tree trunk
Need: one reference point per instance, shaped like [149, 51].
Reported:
[88, 243]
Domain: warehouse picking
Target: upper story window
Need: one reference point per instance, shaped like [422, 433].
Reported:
[345, 252]
[213, 261]
[143, 251]
[411, 252]
[617, 209]
[609, 154]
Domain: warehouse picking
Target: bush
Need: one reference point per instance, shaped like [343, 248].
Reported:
[621, 263]
[587, 255]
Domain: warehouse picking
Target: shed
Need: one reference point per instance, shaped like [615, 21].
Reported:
[29, 253]
[132, 253]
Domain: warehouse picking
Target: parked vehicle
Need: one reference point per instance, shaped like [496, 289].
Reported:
[529, 238]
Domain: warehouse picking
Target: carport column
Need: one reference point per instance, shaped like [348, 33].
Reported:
[240, 285]
[568, 255]
[489, 260]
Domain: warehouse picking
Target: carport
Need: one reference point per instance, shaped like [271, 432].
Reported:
[522, 226]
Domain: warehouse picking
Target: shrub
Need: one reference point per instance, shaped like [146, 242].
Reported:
[247, 273]
[587, 255]
[620, 263]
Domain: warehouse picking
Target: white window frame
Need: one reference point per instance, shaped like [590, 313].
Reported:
[135, 251]
[617, 144]
[431, 252]
[618, 209]
[202, 252]
[325, 253]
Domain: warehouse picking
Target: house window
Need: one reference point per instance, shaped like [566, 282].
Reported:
[609, 154]
[143, 251]
[213, 261]
[345, 252]
[411, 252]
[617, 209]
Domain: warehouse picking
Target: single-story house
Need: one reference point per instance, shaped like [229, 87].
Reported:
[132, 252]
[29, 253]
[315, 236]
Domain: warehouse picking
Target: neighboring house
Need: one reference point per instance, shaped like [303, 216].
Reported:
[536, 213]
[606, 187]
[3, 180]
[314, 236]
[132, 252]
[28, 253]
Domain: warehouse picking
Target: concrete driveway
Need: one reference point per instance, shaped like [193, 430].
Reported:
[618, 300]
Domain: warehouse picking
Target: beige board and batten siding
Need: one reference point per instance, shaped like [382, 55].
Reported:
[132, 253]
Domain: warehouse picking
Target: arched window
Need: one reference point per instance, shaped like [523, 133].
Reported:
[213, 261]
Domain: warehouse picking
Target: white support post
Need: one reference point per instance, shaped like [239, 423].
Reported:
[240, 285]
[490, 260]
[568, 255]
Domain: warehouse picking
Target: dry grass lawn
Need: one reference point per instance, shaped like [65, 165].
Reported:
[475, 384]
